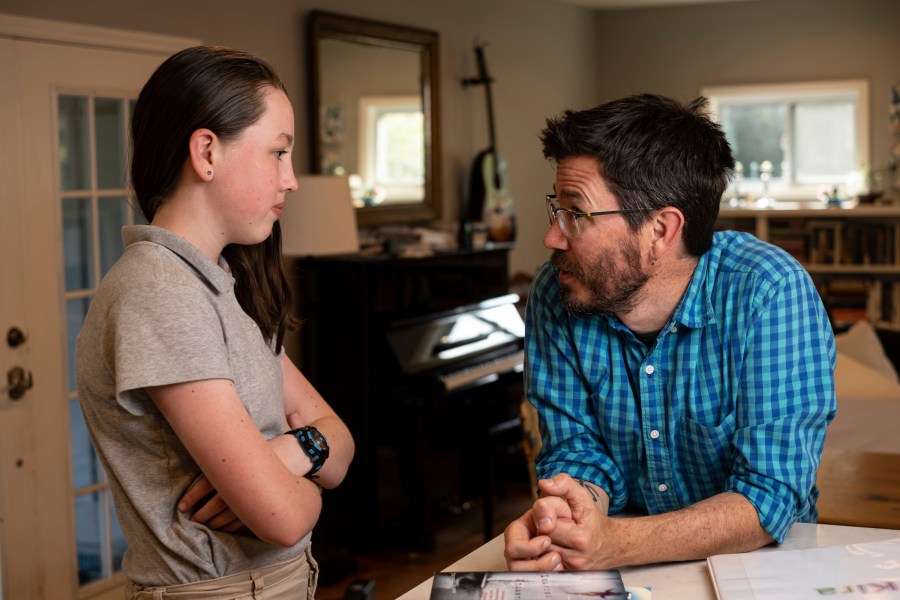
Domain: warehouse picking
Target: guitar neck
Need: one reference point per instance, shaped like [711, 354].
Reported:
[486, 79]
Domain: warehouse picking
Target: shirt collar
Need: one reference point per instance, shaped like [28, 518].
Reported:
[218, 275]
[696, 307]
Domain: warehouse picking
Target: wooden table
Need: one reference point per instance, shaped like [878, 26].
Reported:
[861, 489]
[675, 581]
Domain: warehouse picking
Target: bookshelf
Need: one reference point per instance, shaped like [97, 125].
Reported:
[852, 253]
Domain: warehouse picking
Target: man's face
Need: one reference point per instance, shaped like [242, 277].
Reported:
[600, 269]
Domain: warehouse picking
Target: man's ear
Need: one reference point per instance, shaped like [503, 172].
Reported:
[201, 145]
[667, 226]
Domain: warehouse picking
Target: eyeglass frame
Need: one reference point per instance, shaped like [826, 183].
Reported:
[552, 213]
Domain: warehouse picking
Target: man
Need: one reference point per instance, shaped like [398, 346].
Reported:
[683, 377]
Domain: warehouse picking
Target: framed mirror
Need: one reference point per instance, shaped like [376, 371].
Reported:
[374, 115]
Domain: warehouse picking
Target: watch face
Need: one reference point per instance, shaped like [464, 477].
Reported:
[317, 438]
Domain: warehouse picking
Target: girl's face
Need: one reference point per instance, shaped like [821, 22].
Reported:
[255, 173]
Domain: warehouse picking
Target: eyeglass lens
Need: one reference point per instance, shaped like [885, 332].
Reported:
[567, 221]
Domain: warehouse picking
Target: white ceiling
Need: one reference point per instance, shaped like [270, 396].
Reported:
[620, 4]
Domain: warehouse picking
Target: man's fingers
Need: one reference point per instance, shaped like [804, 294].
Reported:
[548, 562]
[520, 541]
[577, 498]
[547, 511]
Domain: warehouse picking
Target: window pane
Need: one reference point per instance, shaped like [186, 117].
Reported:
[75, 311]
[77, 237]
[110, 140]
[400, 155]
[824, 141]
[86, 468]
[756, 133]
[113, 216]
[74, 157]
[90, 537]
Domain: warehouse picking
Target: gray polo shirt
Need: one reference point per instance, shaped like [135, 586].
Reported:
[166, 314]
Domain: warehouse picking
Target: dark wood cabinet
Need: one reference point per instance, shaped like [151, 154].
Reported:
[413, 444]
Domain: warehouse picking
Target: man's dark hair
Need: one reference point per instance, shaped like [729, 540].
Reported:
[653, 152]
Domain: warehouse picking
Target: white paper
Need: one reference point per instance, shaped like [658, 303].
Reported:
[869, 570]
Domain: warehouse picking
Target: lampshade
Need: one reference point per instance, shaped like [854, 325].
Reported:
[319, 218]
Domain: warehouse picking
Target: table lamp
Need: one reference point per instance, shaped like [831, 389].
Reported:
[319, 218]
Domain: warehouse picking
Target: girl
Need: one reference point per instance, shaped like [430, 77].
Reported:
[181, 372]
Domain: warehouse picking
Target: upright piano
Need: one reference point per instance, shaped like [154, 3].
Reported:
[422, 358]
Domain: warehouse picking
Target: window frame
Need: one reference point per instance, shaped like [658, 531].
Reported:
[791, 93]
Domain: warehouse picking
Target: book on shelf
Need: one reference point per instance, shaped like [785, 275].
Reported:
[867, 570]
[531, 585]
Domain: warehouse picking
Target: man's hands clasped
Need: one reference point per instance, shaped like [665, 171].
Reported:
[566, 529]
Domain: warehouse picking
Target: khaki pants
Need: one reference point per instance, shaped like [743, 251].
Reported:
[293, 580]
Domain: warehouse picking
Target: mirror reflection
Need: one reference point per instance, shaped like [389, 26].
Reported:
[375, 93]
[374, 86]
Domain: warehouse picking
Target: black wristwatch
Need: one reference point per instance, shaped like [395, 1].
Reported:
[314, 445]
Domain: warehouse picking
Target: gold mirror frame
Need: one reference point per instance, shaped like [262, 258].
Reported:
[331, 26]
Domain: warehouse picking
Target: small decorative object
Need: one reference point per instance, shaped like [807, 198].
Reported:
[332, 124]
[829, 195]
[737, 199]
[765, 175]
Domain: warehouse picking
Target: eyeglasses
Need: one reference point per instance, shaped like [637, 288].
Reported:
[568, 217]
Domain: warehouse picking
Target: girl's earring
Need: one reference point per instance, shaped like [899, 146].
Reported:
[209, 172]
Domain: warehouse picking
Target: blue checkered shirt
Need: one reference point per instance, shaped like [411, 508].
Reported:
[734, 395]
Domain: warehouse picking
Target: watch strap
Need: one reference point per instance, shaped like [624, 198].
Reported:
[313, 444]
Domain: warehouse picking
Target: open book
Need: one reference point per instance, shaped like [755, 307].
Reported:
[869, 570]
[508, 585]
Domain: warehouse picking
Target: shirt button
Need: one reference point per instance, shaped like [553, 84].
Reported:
[648, 369]
[662, 487]
[674, 329]
[654, 434]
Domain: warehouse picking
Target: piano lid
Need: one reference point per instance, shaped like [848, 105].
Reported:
[439, 339]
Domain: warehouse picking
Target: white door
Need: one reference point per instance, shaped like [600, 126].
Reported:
[64, 102]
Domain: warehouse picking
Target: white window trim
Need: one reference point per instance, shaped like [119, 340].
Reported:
[857, 88]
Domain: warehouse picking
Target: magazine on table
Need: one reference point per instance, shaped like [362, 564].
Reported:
[867, 570]
[530, 585]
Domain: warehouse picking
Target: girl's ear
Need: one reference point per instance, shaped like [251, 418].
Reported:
[201, 155]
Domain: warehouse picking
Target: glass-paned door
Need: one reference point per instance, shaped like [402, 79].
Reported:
[64, 103]
[92, 169]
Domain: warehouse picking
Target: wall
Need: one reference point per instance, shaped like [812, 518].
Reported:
[547, 56]
[538, 52]
[676, 51]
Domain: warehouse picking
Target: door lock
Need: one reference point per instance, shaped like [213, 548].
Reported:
[18, 382]
[15, 337]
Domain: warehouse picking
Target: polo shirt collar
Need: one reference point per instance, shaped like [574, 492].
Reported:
[218, 275]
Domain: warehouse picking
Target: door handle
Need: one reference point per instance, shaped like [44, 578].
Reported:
[18, 381]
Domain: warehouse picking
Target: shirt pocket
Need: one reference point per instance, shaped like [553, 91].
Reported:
[707, 451]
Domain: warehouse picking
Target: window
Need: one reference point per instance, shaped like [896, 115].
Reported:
[391, 152]
[92, 139]
[795, 141]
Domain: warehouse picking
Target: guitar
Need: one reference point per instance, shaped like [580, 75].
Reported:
[489, 200]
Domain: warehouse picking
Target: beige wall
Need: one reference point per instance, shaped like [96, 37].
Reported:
[538, 51]
[676, 51]
[547, 56]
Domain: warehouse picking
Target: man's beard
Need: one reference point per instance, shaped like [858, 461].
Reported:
[613, 288]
